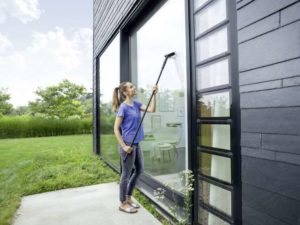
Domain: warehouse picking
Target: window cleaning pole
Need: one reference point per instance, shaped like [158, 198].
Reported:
[153, 92]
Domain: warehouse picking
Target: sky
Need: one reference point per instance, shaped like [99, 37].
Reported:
[43, 42]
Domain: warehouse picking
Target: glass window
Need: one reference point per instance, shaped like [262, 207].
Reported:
[215, 166]
[109, 69]
[214, 105]
[215, 196]
[165, 146]
[215, 135]
[210, 16]
[212, 75]
[199, 3]
[207, 218]
[211, 45]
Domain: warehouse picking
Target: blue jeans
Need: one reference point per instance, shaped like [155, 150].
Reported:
[134, 160]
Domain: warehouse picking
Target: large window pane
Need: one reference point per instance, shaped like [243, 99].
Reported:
[109, 79]
[212, 75]
[215, 166]
[215, 196]
[214, 105]
[165, 146]
[210, 16]
[211, 45]
[207, 218]
[215, 135]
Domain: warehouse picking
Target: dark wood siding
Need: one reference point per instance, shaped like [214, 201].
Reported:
[108, 14]
[269, 68]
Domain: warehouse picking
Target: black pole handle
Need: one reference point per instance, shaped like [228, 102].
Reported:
[153, 92]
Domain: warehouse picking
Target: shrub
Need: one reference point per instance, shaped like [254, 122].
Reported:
[29, 126]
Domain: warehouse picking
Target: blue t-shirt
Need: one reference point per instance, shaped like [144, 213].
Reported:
[131, 119]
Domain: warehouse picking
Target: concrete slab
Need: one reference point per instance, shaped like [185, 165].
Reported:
[90, 205]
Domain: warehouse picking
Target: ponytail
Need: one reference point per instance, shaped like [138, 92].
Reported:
[115, 100]
[118, 96]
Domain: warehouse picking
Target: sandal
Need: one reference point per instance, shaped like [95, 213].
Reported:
[134, 205]
[127, 210]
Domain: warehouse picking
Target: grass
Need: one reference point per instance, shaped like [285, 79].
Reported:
[109, 149]
[35, 165]
[150, 207]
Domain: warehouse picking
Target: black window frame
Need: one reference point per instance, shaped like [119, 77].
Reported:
[138, 19]
[234, 120]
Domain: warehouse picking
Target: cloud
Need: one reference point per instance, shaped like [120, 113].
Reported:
[5, 44]
[50, 58]
[22, 10]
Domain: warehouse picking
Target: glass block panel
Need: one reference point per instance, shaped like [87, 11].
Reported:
[215, 135]
[212, 75]
[212, 45]
[215, 196]
[199, 3]
[214, 105]
[207, 218]
[210, 16]
[215, 166]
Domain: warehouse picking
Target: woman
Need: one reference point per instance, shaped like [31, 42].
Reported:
[128, 117]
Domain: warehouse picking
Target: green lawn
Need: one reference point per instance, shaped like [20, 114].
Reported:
[109, 149]
[35, 165]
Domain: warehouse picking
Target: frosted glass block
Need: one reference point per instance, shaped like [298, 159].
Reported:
[210, 16]
[211, 45]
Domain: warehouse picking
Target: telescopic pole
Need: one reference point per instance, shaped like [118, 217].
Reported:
[153, 92]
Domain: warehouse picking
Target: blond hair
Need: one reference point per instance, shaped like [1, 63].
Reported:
[118, 96]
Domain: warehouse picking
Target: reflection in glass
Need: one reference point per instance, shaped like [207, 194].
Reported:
[214, 74]
[214, 105]
[215, 135]
[165, 146]
[210, 16]
[211, 45]
[109, 79]
[215, 196]
[207, 218]
[199, 3]
[215, 166]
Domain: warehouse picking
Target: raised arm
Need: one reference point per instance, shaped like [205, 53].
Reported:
[152, 106]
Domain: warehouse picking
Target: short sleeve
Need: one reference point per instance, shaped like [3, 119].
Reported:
[138, 104]
[121, 111]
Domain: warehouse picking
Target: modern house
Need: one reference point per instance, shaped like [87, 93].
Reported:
[228, 107]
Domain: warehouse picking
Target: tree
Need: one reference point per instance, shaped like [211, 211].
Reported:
[87, 102]
[59, 101]
[20, 110]
[5, 107]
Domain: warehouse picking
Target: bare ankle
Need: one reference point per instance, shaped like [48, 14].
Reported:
[123, 203]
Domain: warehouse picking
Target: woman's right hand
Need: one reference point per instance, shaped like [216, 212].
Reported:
[127, 149]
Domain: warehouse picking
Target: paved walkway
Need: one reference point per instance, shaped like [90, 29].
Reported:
[90, 205]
